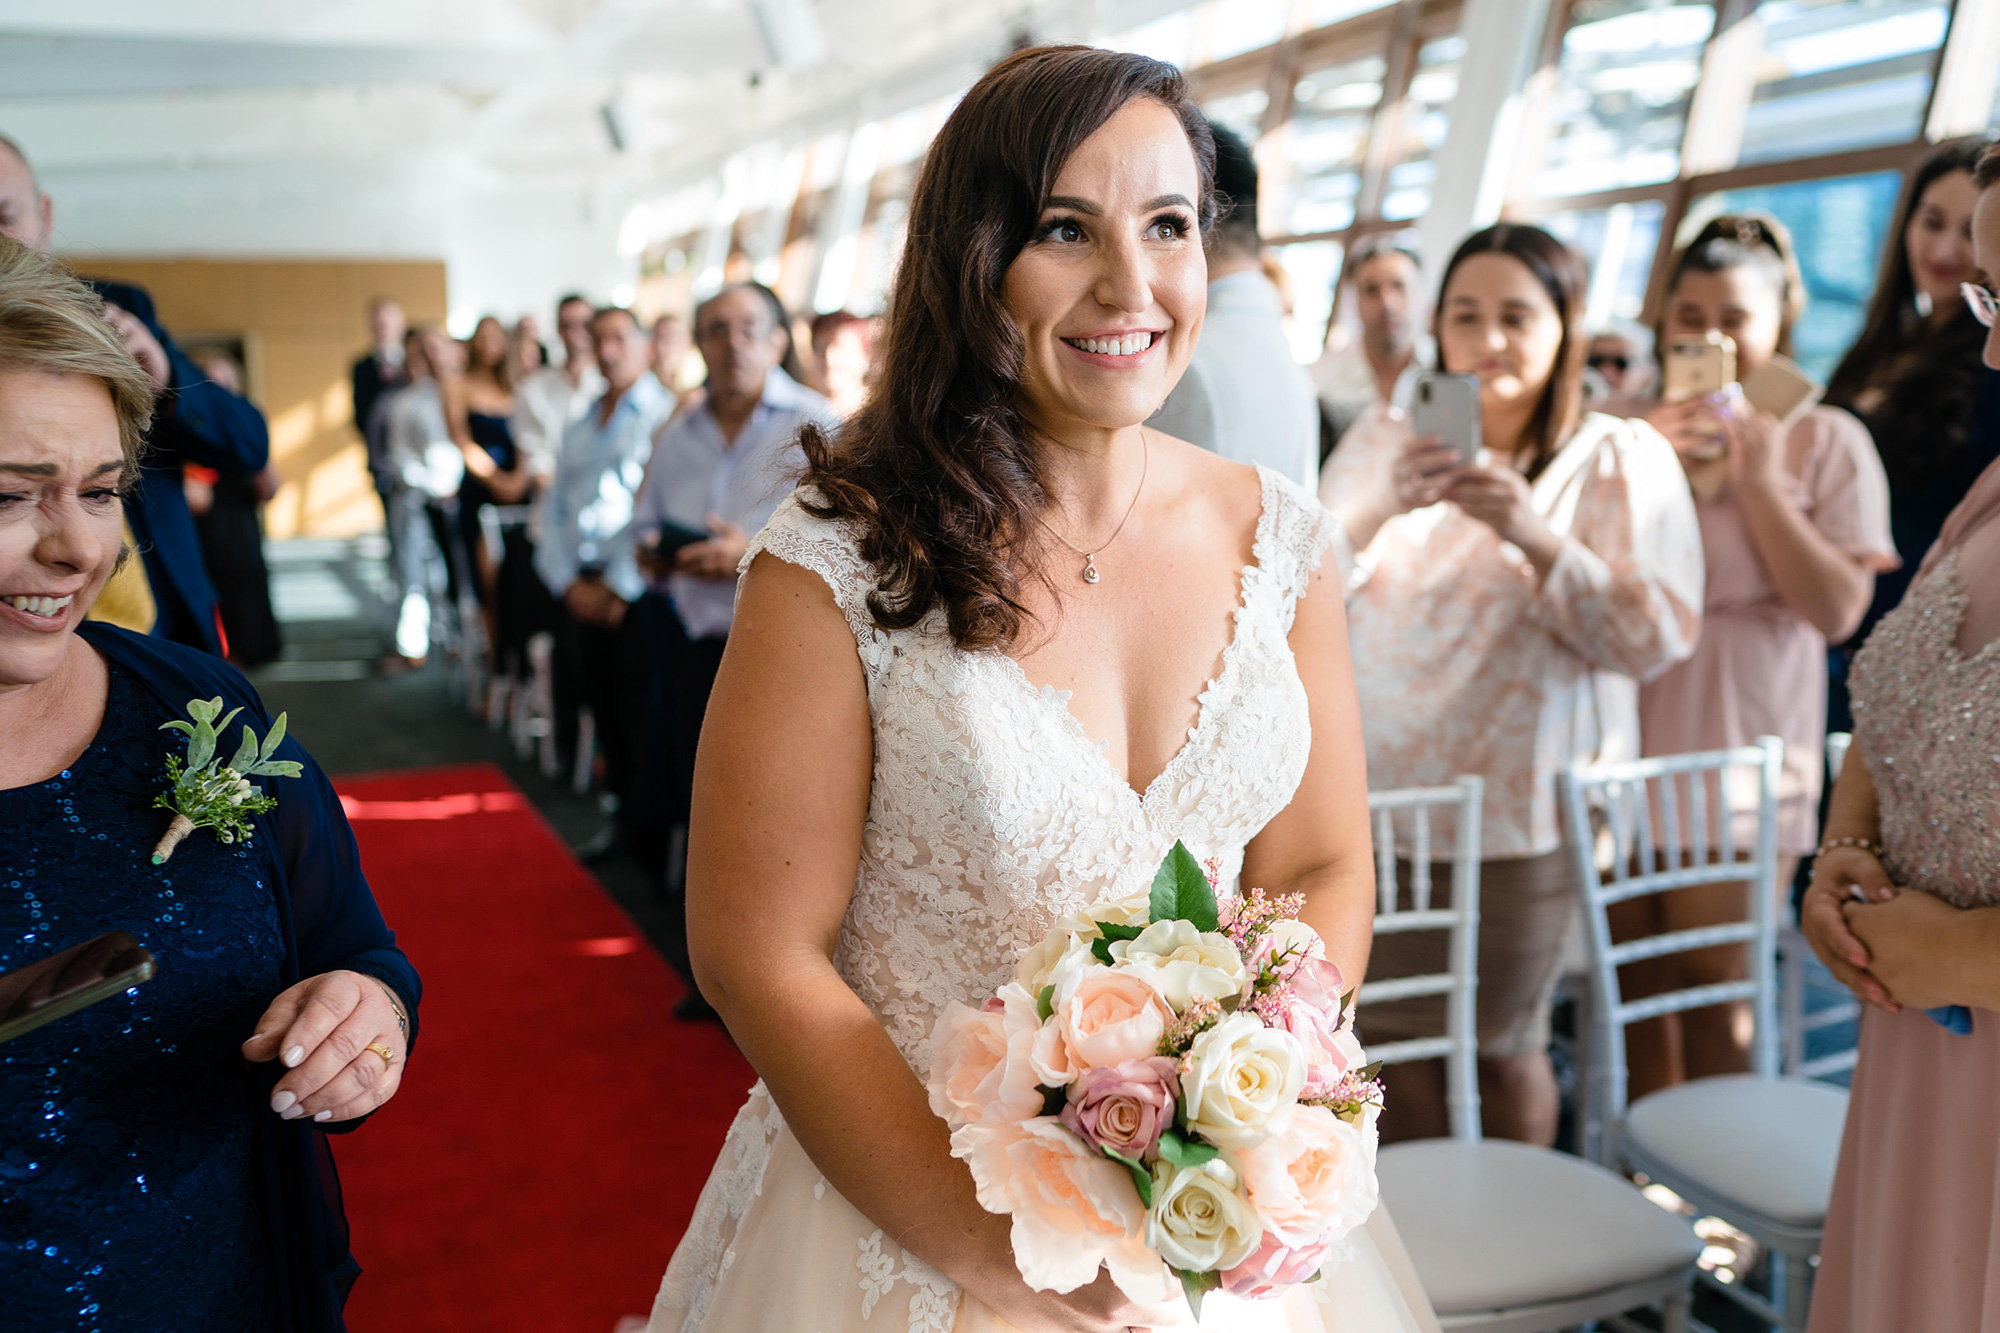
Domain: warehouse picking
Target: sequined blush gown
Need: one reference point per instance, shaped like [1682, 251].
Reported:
[991, 814]
[1913, 1232]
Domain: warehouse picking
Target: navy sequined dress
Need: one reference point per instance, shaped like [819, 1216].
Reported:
[125, 1129]
[144, 1182]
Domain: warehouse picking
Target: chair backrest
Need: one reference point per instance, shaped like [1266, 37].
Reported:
[1666, 824]
[1403, 818]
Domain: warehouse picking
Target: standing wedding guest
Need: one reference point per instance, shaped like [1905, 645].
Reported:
[1503, 613]
[231, 525]
[549, 401]
[586, 557]
[990, 569]
[480, 407]
[1620, 361]
[379, 371]
[193, 422]
[843, 359]
[670, 349]
[1375, 342]
[423, 469]
[165, 1150]
[1910, 1237]
[1794, 526]
[1913, 377]
[525, 352]
[721, 468]
[1243, 395]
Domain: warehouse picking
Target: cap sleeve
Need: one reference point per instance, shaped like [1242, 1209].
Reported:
[829, 548]
[1846, 490]
[1293, 537]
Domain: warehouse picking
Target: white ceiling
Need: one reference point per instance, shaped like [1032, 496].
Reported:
[475, 130]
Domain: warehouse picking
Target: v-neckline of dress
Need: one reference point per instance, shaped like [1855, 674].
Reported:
[1956, 596]
[1058, 700]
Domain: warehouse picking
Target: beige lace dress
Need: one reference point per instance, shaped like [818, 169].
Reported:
[991, 814]
[1913, 1233]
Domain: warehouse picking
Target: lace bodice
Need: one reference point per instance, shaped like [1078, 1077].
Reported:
[992, 813]
[1927, 719]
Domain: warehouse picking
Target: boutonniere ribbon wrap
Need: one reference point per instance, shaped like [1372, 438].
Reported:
[207, 793]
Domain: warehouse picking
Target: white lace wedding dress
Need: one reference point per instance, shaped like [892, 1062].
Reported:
[990, 815]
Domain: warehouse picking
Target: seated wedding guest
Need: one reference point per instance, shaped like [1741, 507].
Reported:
[423, 468]
[585, 555]
[1913, 376]
[721, 469]
[1502, 613]
[193, 422]
[1243, 395]
[1618, 363]
[843, 357]
[167, 1166]
[1910, 1241]
[1375, 343]
[1794, 526]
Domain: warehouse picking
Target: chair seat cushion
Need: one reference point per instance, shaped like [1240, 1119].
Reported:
[1494, 1225]
[1767, 1144]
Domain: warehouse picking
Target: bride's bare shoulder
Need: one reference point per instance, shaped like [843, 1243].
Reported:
[1227, 494]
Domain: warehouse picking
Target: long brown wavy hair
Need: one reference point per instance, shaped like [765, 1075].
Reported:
[938, 471]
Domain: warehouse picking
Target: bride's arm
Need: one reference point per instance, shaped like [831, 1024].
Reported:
[780, 798]
[1319, 845]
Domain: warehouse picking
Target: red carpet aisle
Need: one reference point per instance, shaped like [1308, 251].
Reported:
[555, 1128]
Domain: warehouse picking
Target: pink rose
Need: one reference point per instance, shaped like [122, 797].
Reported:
[1312, 1014]
[1312, 1183]
[1274, 1269]
[1099, 1016]
[1123, 1107]
[1073, 1210]
[981, 1064]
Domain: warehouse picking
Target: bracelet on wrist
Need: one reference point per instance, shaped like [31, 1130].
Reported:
[1868, 845]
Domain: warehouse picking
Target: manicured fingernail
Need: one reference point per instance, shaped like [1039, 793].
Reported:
[324, 1115]
[283, 1102]
[293, 1056]
[293, 1114]
[1858, 958]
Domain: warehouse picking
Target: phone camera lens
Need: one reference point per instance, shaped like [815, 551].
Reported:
[1424, 391]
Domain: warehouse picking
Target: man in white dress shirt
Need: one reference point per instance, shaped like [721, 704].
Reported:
[1384, 282]
[1243, 395]
[550, 399]
[720, 468]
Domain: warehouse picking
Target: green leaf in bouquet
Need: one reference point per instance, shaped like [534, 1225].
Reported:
[1185, 1153]
[1141, 1177]
[1181, 891]
[273, 737]
[1108, 934]
[1368, 1072]
[1045, 1002]
[1197, 1285]
[246, 753]
[1053, 1099]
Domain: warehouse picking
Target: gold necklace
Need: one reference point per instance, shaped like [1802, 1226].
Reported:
[1090, 574]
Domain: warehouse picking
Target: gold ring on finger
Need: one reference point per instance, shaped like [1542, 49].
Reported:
[381, 1048]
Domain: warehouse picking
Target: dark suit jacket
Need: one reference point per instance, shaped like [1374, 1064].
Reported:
[330, 922]
[194, 421]
[373, 377]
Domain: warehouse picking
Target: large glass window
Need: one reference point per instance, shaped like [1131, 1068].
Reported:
[1623, 86]
[1316, 166]
[1242, 112]
[1840, 74]
[1619, 242]
[1231, 27]
[1413, 168]
[1839, 226]
[1313, 268]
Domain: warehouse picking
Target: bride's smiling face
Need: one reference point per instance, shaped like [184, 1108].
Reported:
[1109, 292]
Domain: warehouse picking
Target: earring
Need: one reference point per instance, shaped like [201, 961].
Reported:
[1924, 304]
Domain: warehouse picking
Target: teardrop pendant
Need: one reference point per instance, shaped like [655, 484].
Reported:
[1090, 569]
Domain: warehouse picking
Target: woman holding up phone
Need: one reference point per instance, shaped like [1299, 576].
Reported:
[1501, 611]
[1794, 526]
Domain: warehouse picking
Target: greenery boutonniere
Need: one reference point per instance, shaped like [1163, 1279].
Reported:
[210, 794]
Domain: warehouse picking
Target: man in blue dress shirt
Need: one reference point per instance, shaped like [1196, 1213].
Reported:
[194, 421]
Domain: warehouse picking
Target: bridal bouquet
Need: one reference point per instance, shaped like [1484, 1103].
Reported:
[1166, 1085]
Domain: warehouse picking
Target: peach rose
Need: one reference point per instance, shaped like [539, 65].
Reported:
[1099, 1016]
[981, 1061]
[1274, 1269]
[1073, 1210]
[1313, 1181]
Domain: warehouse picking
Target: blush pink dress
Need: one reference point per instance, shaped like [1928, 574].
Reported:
[1913, 1233]
[1760, 667]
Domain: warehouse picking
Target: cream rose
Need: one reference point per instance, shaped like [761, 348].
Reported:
[1073, 1210]
[982, 1061]
[1100, 1016]
[1061, 952]
[1200, 1221]
[1240, 1080]
[1312, 1183]
[1183, 962]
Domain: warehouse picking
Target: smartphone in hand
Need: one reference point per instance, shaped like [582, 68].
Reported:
[1447, 406]
[74, 979]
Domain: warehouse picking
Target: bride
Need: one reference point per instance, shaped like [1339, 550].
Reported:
[1078, 640]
